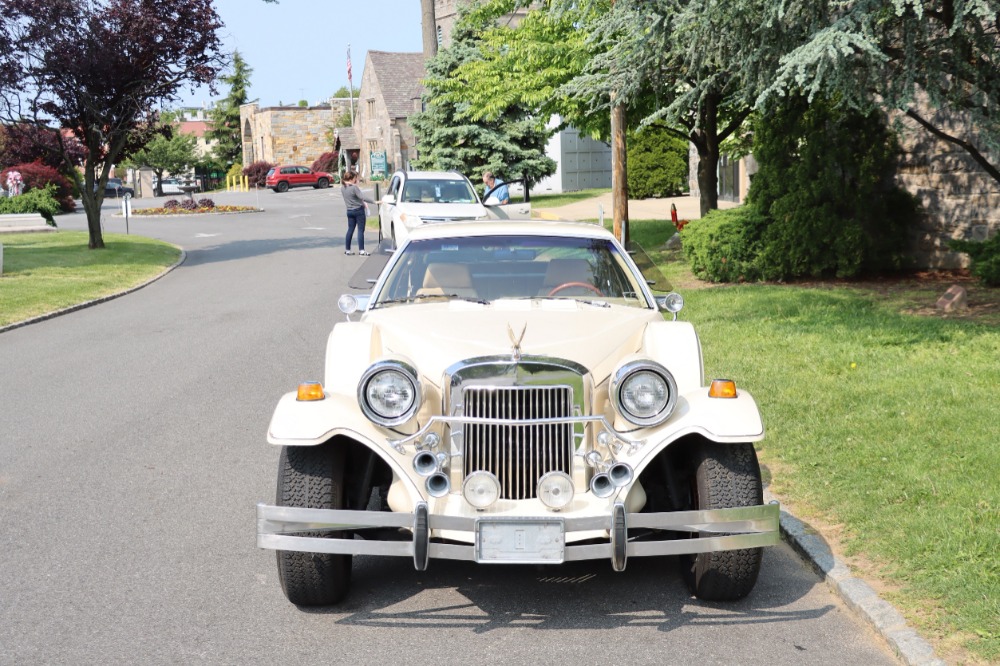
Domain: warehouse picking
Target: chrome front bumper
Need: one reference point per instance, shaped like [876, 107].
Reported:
[522, 540]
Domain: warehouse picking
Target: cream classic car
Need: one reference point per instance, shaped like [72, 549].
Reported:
[514, 393]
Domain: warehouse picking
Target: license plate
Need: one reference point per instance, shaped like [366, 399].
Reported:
[520, 541]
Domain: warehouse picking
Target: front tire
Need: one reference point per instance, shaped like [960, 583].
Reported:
[725, 476]
[313, 477]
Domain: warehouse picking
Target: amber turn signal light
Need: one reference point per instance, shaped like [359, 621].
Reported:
[311, 391]
[722, 388]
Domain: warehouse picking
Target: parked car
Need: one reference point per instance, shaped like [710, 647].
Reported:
[117, 188]
[511, 393]
[170, 186]
[415, 198]
[281, 178]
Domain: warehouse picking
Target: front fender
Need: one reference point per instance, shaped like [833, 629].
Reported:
[724, 420]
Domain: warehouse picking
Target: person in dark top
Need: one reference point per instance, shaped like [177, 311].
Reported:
[355, 201]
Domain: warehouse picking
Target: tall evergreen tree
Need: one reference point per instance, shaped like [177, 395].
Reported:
[225, 116]
[511, 143]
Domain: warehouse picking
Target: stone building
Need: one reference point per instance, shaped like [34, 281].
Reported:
[958, 199]
[290, 134]
[390, 93]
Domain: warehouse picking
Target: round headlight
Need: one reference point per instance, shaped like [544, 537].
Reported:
[555, 490]
[389, 393]
[481, 489]
[644, 393]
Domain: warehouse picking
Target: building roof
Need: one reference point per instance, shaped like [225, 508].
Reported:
[398, 76]
[196, 127]
[348, 138]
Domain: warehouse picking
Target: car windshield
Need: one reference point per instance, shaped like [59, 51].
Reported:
[454, 190]
[486, 268]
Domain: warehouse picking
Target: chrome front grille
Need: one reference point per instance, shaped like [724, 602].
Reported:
[519, 455]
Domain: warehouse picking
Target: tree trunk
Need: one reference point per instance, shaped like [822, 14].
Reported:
[619, 173]
[706, 140]
[92, 206]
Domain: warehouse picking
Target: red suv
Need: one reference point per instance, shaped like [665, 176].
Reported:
[280, 178]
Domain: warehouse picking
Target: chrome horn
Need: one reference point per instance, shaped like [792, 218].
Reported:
[621, 474]
[425, 463]
[601, 485]
[438, 484]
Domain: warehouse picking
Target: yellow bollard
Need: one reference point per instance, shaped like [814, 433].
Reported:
[246, 183]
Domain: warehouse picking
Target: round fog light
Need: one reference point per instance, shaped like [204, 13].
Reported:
[481, 489]
[555, 490]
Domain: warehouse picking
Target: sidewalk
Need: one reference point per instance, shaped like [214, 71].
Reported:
[688, 208]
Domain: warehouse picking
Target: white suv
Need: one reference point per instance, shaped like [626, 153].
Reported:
[415, 198]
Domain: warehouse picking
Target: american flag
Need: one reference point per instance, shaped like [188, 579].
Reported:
[349, 78]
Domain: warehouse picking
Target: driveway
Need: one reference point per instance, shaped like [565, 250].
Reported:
[132, 454]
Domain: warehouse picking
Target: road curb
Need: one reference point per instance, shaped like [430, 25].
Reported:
[102, 299]
[859, 596]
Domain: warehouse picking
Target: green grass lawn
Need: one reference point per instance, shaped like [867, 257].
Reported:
[881, 419]
[44, 272]
[556, 200]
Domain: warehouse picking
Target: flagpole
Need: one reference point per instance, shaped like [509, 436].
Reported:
[350, 83]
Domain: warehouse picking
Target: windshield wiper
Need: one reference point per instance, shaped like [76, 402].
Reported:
[420, 297]
[596, 304]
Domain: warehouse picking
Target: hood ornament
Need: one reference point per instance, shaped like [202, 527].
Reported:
[516, 352]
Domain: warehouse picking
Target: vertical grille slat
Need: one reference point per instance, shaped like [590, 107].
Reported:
[519, 455]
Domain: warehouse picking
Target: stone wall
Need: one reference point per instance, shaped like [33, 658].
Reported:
[957, 198]
[288, 135]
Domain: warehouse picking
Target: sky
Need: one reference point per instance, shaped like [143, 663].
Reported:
[298, 48]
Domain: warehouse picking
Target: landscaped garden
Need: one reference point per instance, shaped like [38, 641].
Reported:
[191, 207]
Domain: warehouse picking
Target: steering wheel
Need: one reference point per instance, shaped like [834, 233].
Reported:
[567, 285]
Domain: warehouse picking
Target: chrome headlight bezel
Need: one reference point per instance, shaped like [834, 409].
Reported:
[631, 371]
[401, 369]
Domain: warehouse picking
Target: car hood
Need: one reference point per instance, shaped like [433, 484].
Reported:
[435, 335]
[438, 211]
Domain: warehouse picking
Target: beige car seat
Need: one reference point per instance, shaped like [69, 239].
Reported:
[563, 271]
[447, 279]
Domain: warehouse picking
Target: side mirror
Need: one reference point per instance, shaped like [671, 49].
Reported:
[351, 303]
[388, 199]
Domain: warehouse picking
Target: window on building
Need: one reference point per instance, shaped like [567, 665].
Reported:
[440, 36]
[372, 145]
[371, 108]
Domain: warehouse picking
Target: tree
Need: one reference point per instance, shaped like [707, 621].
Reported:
[341, 93]
[22, 143]
[100, 69]
[511, 143]
[225, 116]
[168, 151]
[910, 55]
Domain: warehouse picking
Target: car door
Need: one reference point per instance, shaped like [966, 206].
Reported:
[519, 207]
[385, 209]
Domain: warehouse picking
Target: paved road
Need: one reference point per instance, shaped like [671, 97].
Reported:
[132, 453]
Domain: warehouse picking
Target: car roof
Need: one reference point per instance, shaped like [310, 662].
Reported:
[432, 175]
[511, 228]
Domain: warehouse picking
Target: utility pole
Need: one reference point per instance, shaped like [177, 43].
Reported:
[619, 167]
[429, 23]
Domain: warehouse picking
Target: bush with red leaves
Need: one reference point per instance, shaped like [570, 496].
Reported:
[257, 173]
[188, 204]
[171, 203]
[206, 203]
[326, 162]
[36, 176]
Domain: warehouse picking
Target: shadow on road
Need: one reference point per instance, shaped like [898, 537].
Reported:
[579, 595]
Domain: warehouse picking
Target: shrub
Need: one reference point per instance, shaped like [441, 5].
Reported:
[826, 187]
[171, 203]
[235, 171]
[985, 257]
[206, 203]
[39, 200]
[257, 173]
[657, 163]
[327, 162]
[188, 204]
[37, 175]
[723, 246]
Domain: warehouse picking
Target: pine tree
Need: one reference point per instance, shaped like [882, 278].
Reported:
[225, 116]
